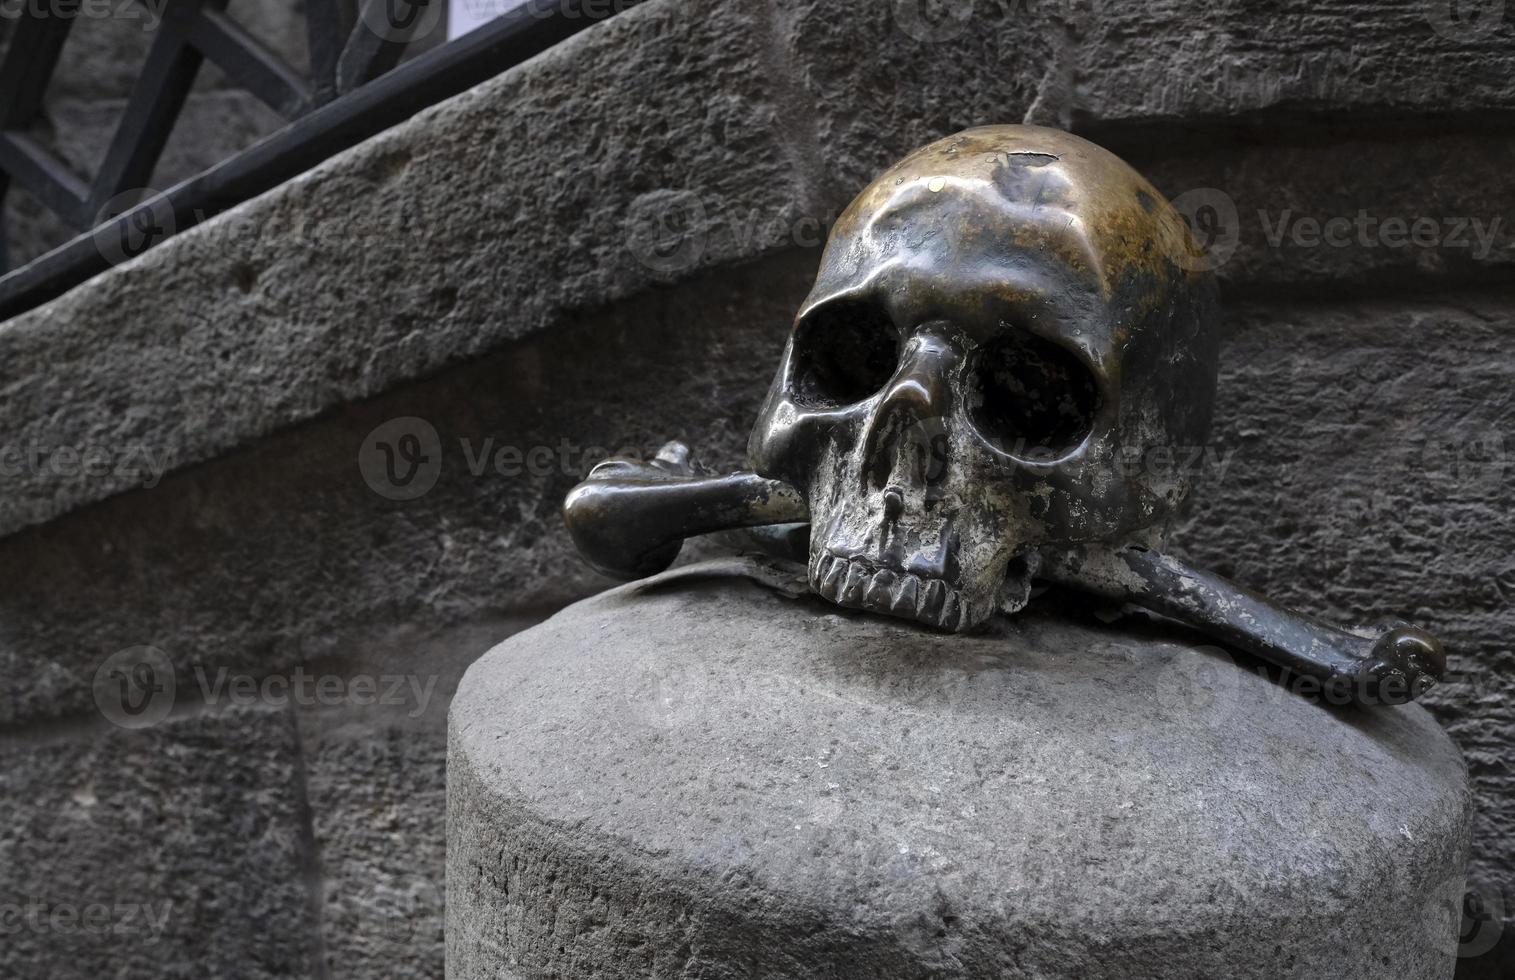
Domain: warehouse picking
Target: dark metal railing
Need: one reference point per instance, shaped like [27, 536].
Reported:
[355, 91]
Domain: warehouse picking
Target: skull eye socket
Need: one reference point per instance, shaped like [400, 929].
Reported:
[1036, 400]
[843, 353]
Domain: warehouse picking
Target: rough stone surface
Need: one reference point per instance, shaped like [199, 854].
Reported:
[851, 66]
[268, 558]
[215, 564]
[1366, 473]
[391, 261]
[1177, 61]
[380, 798]
[696, 775]
[1350, 215]
[282, 558]
[135, 855]
[377, 786]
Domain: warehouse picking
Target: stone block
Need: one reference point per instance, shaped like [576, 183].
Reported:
[134, 854]
[1175, 62]
[1349, 216]
[698, 775]
[271, 556]
[873, 81]
[376, 759]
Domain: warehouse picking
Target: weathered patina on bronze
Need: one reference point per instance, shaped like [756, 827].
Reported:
[1008, 328]
[630, 517]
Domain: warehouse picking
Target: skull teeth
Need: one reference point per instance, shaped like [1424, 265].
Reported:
[930, 609]
[853, 588]
[857, 584]
[951, 611]
[905, 596]
[880, 594]
[830, 575]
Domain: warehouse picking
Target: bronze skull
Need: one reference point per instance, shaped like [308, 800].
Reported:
[1004, 326]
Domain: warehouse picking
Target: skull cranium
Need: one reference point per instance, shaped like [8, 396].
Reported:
[1005, 325]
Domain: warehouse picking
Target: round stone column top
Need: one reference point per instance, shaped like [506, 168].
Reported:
[712, 774]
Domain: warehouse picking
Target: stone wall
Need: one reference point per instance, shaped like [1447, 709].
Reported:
[602, 249]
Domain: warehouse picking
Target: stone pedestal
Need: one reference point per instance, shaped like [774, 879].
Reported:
[699, 776]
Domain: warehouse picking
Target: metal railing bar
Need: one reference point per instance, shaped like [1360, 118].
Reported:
[367, 54]
[46, 178]
[327, 26]
[30, 60]
[392, 98]
[151, 111]
[251, 63]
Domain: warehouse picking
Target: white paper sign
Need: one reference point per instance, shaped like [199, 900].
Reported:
[464, 15]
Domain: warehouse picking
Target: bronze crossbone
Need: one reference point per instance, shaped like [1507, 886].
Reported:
[629, 519]
[1006, 328]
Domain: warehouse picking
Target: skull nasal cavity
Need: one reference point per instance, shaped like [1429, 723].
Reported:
[1033, 399]
[843, 353]
[907, 436]
[903, 446]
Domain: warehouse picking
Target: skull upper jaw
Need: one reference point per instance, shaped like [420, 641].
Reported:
[911, 567]
[860, 578]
